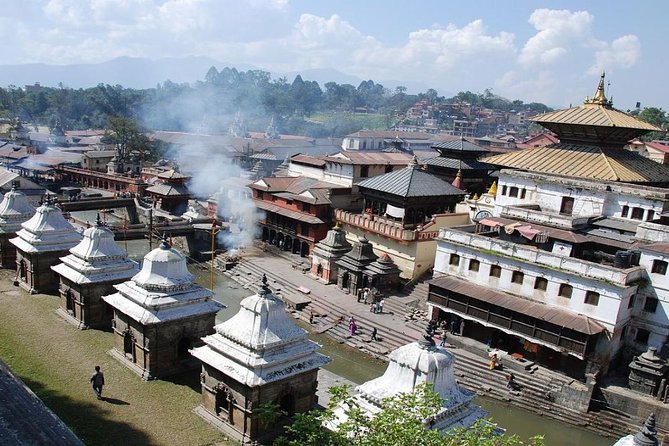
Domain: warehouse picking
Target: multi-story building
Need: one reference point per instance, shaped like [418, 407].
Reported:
[568, 271]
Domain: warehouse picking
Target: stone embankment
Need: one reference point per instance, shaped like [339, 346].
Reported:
[542, 391]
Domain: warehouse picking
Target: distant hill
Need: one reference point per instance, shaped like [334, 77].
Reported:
[135, 72]
[131, 72]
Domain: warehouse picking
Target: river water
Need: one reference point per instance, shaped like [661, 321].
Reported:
[358, 367]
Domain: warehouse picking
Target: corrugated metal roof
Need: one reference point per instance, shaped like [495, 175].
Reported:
[558, 316]
[168, 190]
[410, 182]
[586, 162]
[459, 144]
[307, 159]
[454, 163]
[350, 157]
[594, 115]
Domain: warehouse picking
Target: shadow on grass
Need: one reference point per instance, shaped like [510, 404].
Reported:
[115, 401]
[190, 378]
[89, 421]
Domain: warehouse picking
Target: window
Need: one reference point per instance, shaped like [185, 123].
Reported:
[541, 283]
[650, 215]
[474, 265]
[630, 304]
[306, 207]
[637, 214]
[454, 260]
[650, 305]
[567, 205]
[364, 145]
[625, 211]
[642, 335]
[513, 191]
[591, 298]
[565, 290]
[364, 171]
[389, 169]
[522, 194]
[517, 277]
[504, 190]
[495, 270]
[659, 267]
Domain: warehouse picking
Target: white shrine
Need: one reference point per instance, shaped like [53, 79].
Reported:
[14, 210]
[414, 364]
[89, 272]
[43, 239]
[160, 314]
[256, 357]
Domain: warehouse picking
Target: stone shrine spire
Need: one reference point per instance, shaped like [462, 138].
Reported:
[647, 435]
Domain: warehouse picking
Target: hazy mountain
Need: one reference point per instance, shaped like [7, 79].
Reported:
[131, 72]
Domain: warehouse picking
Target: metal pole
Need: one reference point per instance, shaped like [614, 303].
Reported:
[150, 229]
[213, 251]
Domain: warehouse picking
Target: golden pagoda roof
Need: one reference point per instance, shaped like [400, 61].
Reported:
[582, 161]
[595, 111]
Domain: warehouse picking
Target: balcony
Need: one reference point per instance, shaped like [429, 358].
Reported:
[392, 229]
[530, 254]
[534, 214]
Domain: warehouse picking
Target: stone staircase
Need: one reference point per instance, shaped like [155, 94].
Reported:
[471, 367]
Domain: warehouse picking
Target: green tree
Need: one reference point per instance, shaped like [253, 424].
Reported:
[127, 137]
[658, 118]
[400, 422]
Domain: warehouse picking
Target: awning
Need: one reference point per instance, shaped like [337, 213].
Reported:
[528, 232]
[490, 223]
[557, 316]
[394, 211]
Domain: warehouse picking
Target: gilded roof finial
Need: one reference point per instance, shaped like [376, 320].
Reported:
[457, 182]
[493, 188]
[600, 97]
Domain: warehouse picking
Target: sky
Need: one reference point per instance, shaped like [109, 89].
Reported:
[537, 51]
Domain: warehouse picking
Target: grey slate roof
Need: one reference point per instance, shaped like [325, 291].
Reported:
[410, 182]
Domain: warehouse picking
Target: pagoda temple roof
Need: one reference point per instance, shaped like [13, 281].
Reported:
[97, 258]
[14, 210]
[593, 162]
[261, 343]
[595, 122]
[168, 190]
[172, 174]
[410, 182]
[455, 163]
[459, 145]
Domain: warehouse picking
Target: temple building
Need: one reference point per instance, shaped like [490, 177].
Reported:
[258, 356]
[170, 192]
[361, 268]
[411, 365]
[43, 239]
[160, 314]
[326, 254]
[14, 210]
[460, 158]
[566, 267]
[402, 212]
[89, 272]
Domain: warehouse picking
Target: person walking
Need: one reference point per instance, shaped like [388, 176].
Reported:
[442, 343]
[98, 380]
[373, 338]
[381, 305]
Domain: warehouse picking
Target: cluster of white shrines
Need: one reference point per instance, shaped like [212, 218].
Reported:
[164, 323]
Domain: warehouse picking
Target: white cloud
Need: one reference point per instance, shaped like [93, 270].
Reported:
[623, 52]
[557, 31]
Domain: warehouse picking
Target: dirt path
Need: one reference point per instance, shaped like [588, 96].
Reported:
[56, 361]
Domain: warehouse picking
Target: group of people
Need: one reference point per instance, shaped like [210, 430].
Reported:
[370, 297]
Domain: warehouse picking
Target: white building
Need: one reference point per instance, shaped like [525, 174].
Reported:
[569, 270]
[14, 210]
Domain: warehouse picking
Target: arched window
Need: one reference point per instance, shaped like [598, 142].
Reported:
[565, 290]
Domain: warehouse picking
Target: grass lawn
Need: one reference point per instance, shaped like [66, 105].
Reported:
[56, 360]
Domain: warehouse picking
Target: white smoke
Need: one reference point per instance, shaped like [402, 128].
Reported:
[215, 175]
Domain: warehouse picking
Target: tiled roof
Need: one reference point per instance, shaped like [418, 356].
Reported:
[586, 162]
[301, 216]
[172, 175]
[658, 146]
[306, 159]
[410, 182]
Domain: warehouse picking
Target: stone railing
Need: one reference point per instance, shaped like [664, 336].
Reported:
[522, 253]
[544, 218]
